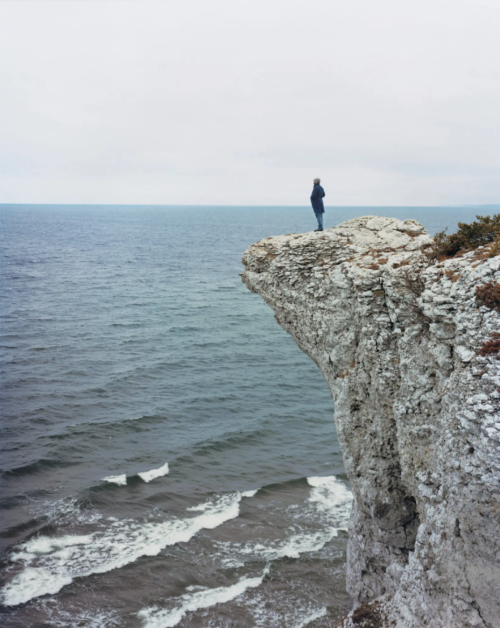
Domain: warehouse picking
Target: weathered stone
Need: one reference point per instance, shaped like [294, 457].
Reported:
[416, 410]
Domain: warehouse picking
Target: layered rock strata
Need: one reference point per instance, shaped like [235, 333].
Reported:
[417, 410]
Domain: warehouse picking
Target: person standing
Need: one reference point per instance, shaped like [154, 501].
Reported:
[317, 196]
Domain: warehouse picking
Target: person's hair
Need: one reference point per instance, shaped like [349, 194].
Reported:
[317, 180]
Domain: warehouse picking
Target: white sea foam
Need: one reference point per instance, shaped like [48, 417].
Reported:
[298, 544]
[277, 607]
[121, 480]
[64, 511]
[198, 508]
[41, 545]
[51, 563]
[314, 615]
[67, 615]
[202, 507]
[291, 547]
[32, 582]
[332, 498]
[147, 476]
[155, 617]
[250, 493]
[329, 500]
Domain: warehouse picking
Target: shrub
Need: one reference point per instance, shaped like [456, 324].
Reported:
[483, 231]
[495, 247]
[367, 615]
[413, 281]
[439, 246]
[489, 295]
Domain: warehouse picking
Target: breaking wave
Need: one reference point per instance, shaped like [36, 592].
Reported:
[147, 476]
[50, 563]
[196, 599]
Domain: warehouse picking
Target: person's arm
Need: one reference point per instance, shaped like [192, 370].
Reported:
[314, 194]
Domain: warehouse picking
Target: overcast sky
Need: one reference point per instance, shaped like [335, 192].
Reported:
[390, 102]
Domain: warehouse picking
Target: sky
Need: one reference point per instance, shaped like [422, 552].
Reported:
[244, 102]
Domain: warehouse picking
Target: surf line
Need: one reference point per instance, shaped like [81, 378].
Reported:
[193, 601]
[50, 563]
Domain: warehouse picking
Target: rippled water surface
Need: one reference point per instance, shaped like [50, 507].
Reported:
[169, 455]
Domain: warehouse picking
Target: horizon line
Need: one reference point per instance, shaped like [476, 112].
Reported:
[447, 205]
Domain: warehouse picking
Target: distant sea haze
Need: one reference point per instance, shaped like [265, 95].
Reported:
[169, 455]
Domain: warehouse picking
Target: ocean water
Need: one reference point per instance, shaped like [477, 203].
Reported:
[168, 455]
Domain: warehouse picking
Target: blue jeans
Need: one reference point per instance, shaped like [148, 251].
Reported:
[319, 218]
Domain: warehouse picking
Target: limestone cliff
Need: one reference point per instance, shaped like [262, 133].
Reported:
[416, 410]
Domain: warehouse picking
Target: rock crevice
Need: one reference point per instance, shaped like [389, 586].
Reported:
[417, 409]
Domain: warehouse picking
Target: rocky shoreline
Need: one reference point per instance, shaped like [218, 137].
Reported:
[417, 409]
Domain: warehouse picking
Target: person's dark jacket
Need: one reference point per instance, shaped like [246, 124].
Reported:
[317, 199]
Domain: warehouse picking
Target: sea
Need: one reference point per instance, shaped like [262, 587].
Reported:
[168, 454]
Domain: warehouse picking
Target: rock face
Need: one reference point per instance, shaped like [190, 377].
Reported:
[417, 410]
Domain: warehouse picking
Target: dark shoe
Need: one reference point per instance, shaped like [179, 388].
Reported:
[318, 230]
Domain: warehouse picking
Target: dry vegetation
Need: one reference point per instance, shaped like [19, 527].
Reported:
[489, 295]
[491, 346]
[367, 616]
[485, 231]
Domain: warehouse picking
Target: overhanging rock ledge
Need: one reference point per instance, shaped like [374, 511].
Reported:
[417, 410]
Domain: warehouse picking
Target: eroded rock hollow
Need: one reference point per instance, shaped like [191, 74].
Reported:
[416, 408]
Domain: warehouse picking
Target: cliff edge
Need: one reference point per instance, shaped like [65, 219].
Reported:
[417, 410]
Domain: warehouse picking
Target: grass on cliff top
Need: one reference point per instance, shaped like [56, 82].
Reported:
[484, 231]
